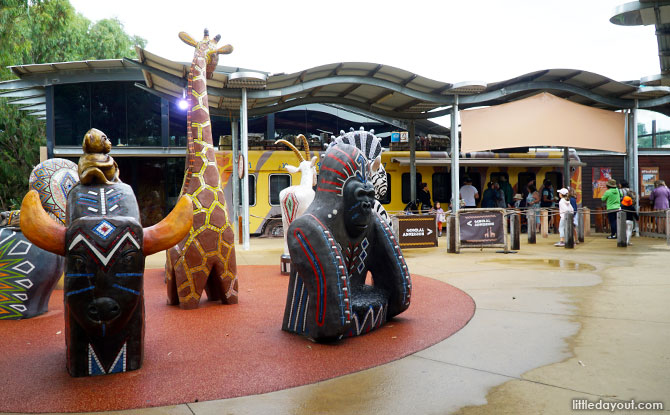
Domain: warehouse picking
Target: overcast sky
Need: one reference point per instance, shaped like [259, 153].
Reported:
[449, 41]
[446, 40]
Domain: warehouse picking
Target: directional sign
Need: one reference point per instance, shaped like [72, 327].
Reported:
[482, 228]
[417, 231]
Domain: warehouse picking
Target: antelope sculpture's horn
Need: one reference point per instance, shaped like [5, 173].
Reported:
[39, 228]
[306, 145]
[292, 147]
[172, 229]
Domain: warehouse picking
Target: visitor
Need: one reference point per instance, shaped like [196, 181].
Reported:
[612, 198]
[564, 206]
[440, 217]
[575, 218]
[424, 197]
[516, 201]
[660, 196]
[507, 191]
[469, 193]
[631, 216]
[547, 195]
[533, 202]
[500, 196]
[490, 196]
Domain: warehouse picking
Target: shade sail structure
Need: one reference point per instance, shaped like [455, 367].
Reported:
[542, 120]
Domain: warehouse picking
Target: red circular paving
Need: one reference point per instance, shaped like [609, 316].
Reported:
[214, 352]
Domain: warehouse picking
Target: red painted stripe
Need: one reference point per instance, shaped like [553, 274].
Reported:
[320, 319]
[346, 166]
[330, 190]
[334, 171]
[333, 183]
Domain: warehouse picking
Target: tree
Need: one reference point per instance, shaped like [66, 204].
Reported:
[42, 31]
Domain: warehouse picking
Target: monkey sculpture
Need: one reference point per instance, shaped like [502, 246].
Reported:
[333, 246]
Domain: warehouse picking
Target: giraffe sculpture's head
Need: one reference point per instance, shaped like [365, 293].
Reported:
[207, 48]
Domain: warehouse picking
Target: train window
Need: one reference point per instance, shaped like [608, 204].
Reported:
[406, 189]
[387, 197]
[278, 182]
[522, 180]
[441, 187]
[556, 179]
[252, 190]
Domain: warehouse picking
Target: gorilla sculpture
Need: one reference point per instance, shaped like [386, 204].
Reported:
[104, 246]
[333, 246]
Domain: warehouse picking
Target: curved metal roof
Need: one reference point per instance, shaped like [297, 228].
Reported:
[393, 92]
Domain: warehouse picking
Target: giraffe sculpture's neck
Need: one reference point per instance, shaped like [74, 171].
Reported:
[199, 132]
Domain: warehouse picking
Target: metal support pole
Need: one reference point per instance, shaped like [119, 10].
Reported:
[245, 180]
[455, 155]
[451, 234]
[515, 231]
[412, 161]
[235, 132]
[634, 179]
[566, 167]
[532, 226]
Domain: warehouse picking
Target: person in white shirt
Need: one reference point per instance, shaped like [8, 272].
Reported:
[469, 193]
[564, 206]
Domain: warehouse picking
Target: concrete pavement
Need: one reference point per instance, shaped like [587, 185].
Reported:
[551, 325]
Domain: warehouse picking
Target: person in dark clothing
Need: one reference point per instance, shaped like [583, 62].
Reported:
[424, 197]
[490, 196]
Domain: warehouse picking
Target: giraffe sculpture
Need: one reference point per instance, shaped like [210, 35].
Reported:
[205, 258]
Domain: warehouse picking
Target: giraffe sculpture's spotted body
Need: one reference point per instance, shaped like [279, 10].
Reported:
[205, 259]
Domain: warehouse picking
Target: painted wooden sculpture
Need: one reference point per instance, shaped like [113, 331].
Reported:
[295, 200]
[333, 246]
[205, 259]
[104, 246]
[28, 274]
[371, 147]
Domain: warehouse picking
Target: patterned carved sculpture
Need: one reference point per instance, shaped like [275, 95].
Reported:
[371, 147]
[294, 200]
[333, 246]
[28, 274]
[205, 259]
[105, 247]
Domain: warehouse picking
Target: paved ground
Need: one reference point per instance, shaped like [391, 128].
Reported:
[551, 325]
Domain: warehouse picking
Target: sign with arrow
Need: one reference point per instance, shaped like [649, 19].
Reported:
[417, 231]
[482, 228]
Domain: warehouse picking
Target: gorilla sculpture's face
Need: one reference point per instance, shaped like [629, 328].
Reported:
[358, 201]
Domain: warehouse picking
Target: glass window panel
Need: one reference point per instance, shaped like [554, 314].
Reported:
[144, 117]
[72, 115]
[252, 189]
[177, 131]
[108, 111]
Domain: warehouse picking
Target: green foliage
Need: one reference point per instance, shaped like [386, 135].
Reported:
[43, 31]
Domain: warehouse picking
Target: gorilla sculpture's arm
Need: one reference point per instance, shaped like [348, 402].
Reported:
[318, 260]
[388, 268]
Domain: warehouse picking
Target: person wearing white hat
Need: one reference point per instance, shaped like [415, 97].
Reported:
[563, 207]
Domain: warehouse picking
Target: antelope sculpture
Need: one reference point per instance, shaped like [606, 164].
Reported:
[294, 200]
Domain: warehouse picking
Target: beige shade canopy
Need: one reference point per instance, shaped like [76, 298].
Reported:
[542, 120]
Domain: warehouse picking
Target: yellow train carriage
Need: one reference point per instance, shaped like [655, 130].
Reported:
[267, 177]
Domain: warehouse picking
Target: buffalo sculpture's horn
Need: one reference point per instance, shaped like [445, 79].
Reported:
[39, 228]
[293, 148]
[172, 229]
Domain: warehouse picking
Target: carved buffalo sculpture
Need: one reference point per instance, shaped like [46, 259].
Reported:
[104, 246]
[333, 246]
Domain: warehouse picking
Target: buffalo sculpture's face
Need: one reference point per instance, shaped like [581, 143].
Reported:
[104, 272]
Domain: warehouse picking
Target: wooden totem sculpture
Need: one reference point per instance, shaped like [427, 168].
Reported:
[205, 259]
[104, 246]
